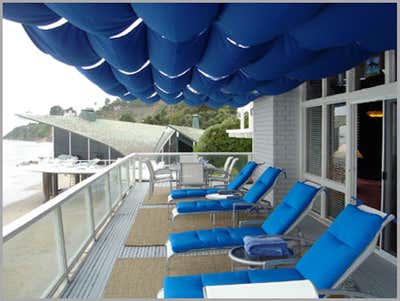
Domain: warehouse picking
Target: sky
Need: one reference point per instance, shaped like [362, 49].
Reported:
[33, 81]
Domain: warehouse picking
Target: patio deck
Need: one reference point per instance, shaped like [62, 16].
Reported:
[375, 276]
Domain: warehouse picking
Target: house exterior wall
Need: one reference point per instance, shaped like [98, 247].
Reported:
[275, 138]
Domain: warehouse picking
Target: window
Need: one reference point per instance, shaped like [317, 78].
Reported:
[370, 73]
[317, 204]
[334, 202]
[313, 137]
[336, 142]
[314, 89]
[337, 84]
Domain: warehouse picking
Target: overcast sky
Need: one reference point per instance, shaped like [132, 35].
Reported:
[33, 81]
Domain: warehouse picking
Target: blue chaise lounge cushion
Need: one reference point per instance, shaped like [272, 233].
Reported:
[324, 263]
[192, 193]
[211, 238]
[235, 184]
[339, 246]
[290, 208]
[259, 188]
[211, 205]
[192, 286]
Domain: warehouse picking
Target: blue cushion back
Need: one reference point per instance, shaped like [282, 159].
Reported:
[242, 176]
[289, 209]
[263, 183]
[334, 252]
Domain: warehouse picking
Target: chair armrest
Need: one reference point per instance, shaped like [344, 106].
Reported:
[220, 186]
[219, 170]
[273, 263]
[242, 204]
[345, 293]
[250, 223]
[305, 242]
[163, 170]
[227, 192]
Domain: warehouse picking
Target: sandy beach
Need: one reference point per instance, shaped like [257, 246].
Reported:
[17, 209]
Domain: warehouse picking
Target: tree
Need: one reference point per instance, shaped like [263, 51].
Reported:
[107, 101]
[56, 110]
[127, 117]
[215, 139]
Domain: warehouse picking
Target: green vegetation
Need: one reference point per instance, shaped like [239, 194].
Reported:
[127, 117]
[56, 110]
[181, 114]
[138, 110]
[30, 132]
[215, 139]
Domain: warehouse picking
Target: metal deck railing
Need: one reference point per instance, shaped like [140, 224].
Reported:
[44, 249]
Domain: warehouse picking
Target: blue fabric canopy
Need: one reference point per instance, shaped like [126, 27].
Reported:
[29, 13]
[173, 58]
[207, 53]
[177, 22]
[103, 19]
[65, 43]
[128, 53]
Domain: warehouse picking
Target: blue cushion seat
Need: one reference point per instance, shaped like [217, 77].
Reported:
[243, 175]
[211, 205]
[257, 190]
[277, 223]
[188, 193]
[193, 285]
[212, 238]
[324, 263]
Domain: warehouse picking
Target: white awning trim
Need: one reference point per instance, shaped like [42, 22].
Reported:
[129, 29]
[135, 71]
[95, 65]
[53, 25]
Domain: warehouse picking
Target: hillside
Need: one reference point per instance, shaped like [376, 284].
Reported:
[30, 132]
[137, 109]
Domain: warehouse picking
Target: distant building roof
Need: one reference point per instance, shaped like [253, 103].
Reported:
[125, 137]
[191, 133]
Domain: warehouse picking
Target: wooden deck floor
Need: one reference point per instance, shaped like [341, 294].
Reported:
[376, 276]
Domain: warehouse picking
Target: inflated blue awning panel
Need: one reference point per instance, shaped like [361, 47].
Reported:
[103, 19]
[207, 53]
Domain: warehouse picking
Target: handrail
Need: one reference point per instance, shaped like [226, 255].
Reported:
[197, 153]
[26, 220]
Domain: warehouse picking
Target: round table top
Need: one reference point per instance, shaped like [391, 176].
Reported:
[238, 254]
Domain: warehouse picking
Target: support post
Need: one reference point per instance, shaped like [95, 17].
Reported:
[60, 240]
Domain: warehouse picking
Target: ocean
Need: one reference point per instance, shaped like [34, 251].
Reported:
[19, 184]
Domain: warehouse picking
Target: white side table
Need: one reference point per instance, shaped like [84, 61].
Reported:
[296, 289]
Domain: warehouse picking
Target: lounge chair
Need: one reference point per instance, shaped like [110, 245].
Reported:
[250, 201]
[285, 217]
[241, 178]
[350, 239]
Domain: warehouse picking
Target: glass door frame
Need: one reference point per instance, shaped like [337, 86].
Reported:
[352, 98]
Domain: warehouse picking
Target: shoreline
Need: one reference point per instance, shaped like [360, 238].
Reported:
[16, 209]
[21, 207]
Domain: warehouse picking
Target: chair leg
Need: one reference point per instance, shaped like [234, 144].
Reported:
[167, 267]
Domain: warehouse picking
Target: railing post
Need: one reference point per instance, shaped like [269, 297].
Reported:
[110, 201]
[60, 241]
[121, 186]
[89, 200]
[140, 171]
[133, 163]
[128, 178]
